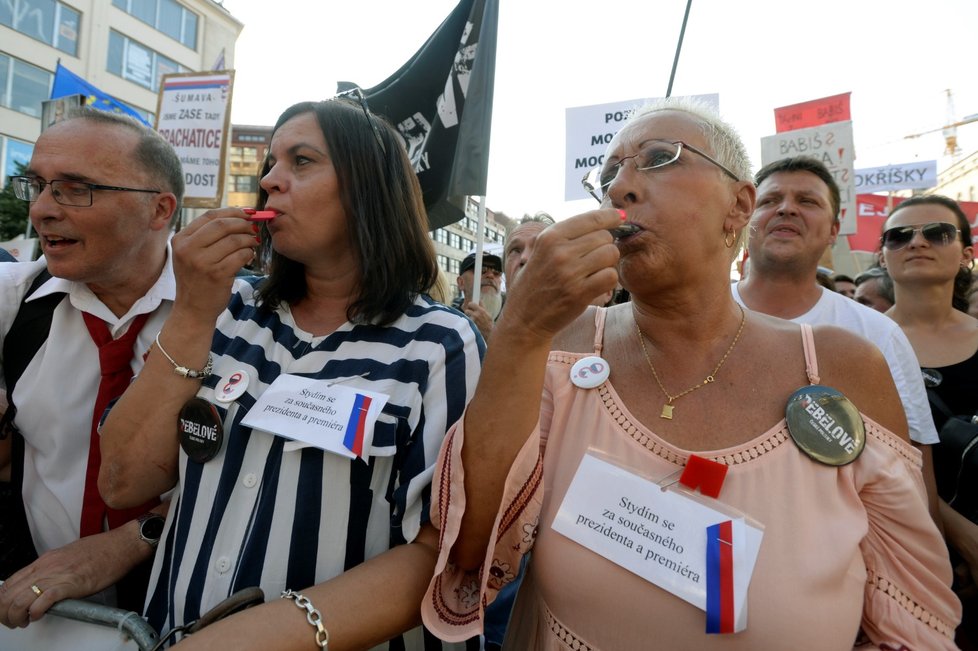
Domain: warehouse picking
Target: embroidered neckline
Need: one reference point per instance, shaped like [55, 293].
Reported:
[732, 456]
[562, 633]
[743, 453]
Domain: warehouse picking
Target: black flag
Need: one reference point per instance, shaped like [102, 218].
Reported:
[440, 101]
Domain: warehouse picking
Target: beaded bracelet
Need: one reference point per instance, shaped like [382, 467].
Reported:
[183, 371]
[313, 616]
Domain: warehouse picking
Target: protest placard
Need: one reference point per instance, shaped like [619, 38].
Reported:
[194, 115]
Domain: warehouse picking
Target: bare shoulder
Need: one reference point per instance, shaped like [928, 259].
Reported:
[856, 367]
[845, 361]
[578, 337]
[840, 350]
[837, 351]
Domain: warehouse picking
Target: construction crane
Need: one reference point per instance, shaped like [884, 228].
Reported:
[950, 128]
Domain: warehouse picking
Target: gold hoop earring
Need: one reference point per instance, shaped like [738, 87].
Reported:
[729, 239]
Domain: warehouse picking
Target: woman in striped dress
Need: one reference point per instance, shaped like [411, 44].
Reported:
[301, 435]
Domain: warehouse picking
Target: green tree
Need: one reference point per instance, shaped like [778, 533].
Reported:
[13, 211]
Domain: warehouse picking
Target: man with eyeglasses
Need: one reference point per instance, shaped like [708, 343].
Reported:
[794, 221]
[483, 313]
[103, 190]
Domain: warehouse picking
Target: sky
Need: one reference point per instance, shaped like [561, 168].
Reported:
[897, 58]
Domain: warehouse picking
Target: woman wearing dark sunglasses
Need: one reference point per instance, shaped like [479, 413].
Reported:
[928, 251]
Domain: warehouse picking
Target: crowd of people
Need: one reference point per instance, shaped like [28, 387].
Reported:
[625, 450]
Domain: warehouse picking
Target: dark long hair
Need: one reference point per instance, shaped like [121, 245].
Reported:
[387, 220]
[963, 279]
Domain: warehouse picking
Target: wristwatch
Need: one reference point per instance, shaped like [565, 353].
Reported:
[151, 528]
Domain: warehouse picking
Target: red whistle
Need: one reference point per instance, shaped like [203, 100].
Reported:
[259, 215]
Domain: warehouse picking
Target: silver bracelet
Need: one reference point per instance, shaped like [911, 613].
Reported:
[183, 371]
[313, 616]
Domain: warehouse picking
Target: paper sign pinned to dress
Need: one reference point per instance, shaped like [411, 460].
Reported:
[660, 535]
[320, 413]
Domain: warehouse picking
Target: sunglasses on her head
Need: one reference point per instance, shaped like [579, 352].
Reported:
[356, 95]
[937, 233]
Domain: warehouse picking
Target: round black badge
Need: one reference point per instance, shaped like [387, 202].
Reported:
[932, 377]
[201, 433]
[825, 425]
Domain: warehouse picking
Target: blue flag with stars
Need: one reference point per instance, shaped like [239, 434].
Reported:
[68, 83]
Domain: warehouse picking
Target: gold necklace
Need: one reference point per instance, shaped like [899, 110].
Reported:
[668, 407]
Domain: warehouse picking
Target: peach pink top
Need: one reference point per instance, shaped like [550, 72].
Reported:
[845, 548]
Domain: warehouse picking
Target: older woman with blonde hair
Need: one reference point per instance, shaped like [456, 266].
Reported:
[591, 426]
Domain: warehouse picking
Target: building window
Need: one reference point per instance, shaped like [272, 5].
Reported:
[244, 154]
[147, 115]
[244, 183]
[167, 16]
[137, 63]
[443, 262]
[441, 235]
[48, 21]
[453, 265]
[22, 86]
[249, 137]
[16, 156]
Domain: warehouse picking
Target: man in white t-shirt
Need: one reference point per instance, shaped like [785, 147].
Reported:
[794, 221]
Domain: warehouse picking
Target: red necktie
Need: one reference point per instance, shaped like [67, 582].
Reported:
[114, 357]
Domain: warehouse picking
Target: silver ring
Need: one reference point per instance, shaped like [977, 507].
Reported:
[36, 590]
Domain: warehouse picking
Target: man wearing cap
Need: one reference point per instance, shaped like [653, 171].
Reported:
[795, 219]
[490, 303]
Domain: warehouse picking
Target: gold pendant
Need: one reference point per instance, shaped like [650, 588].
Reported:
[666, 412]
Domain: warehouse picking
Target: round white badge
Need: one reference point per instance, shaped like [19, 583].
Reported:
[590, 372]
[231, 387]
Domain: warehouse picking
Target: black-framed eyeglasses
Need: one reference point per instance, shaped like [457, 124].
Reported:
[77, 194]
[357, 94]
[937, 233]
[654, 155]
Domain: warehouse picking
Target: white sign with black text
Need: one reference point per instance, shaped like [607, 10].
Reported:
[590, 130]
[194, 115]
[921, 175]
[660, 535]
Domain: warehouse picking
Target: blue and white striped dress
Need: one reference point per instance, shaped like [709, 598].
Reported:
[258, 514]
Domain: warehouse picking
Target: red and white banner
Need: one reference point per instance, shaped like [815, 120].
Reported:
[812, 113]
[872, 210]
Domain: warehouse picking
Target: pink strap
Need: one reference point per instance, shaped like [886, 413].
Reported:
[599, 317]
[811, 361]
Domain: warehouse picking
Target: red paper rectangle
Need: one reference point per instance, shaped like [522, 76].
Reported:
[812, 113]
[703, 474]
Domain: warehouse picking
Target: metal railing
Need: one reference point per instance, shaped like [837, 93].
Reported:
[127, 622]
